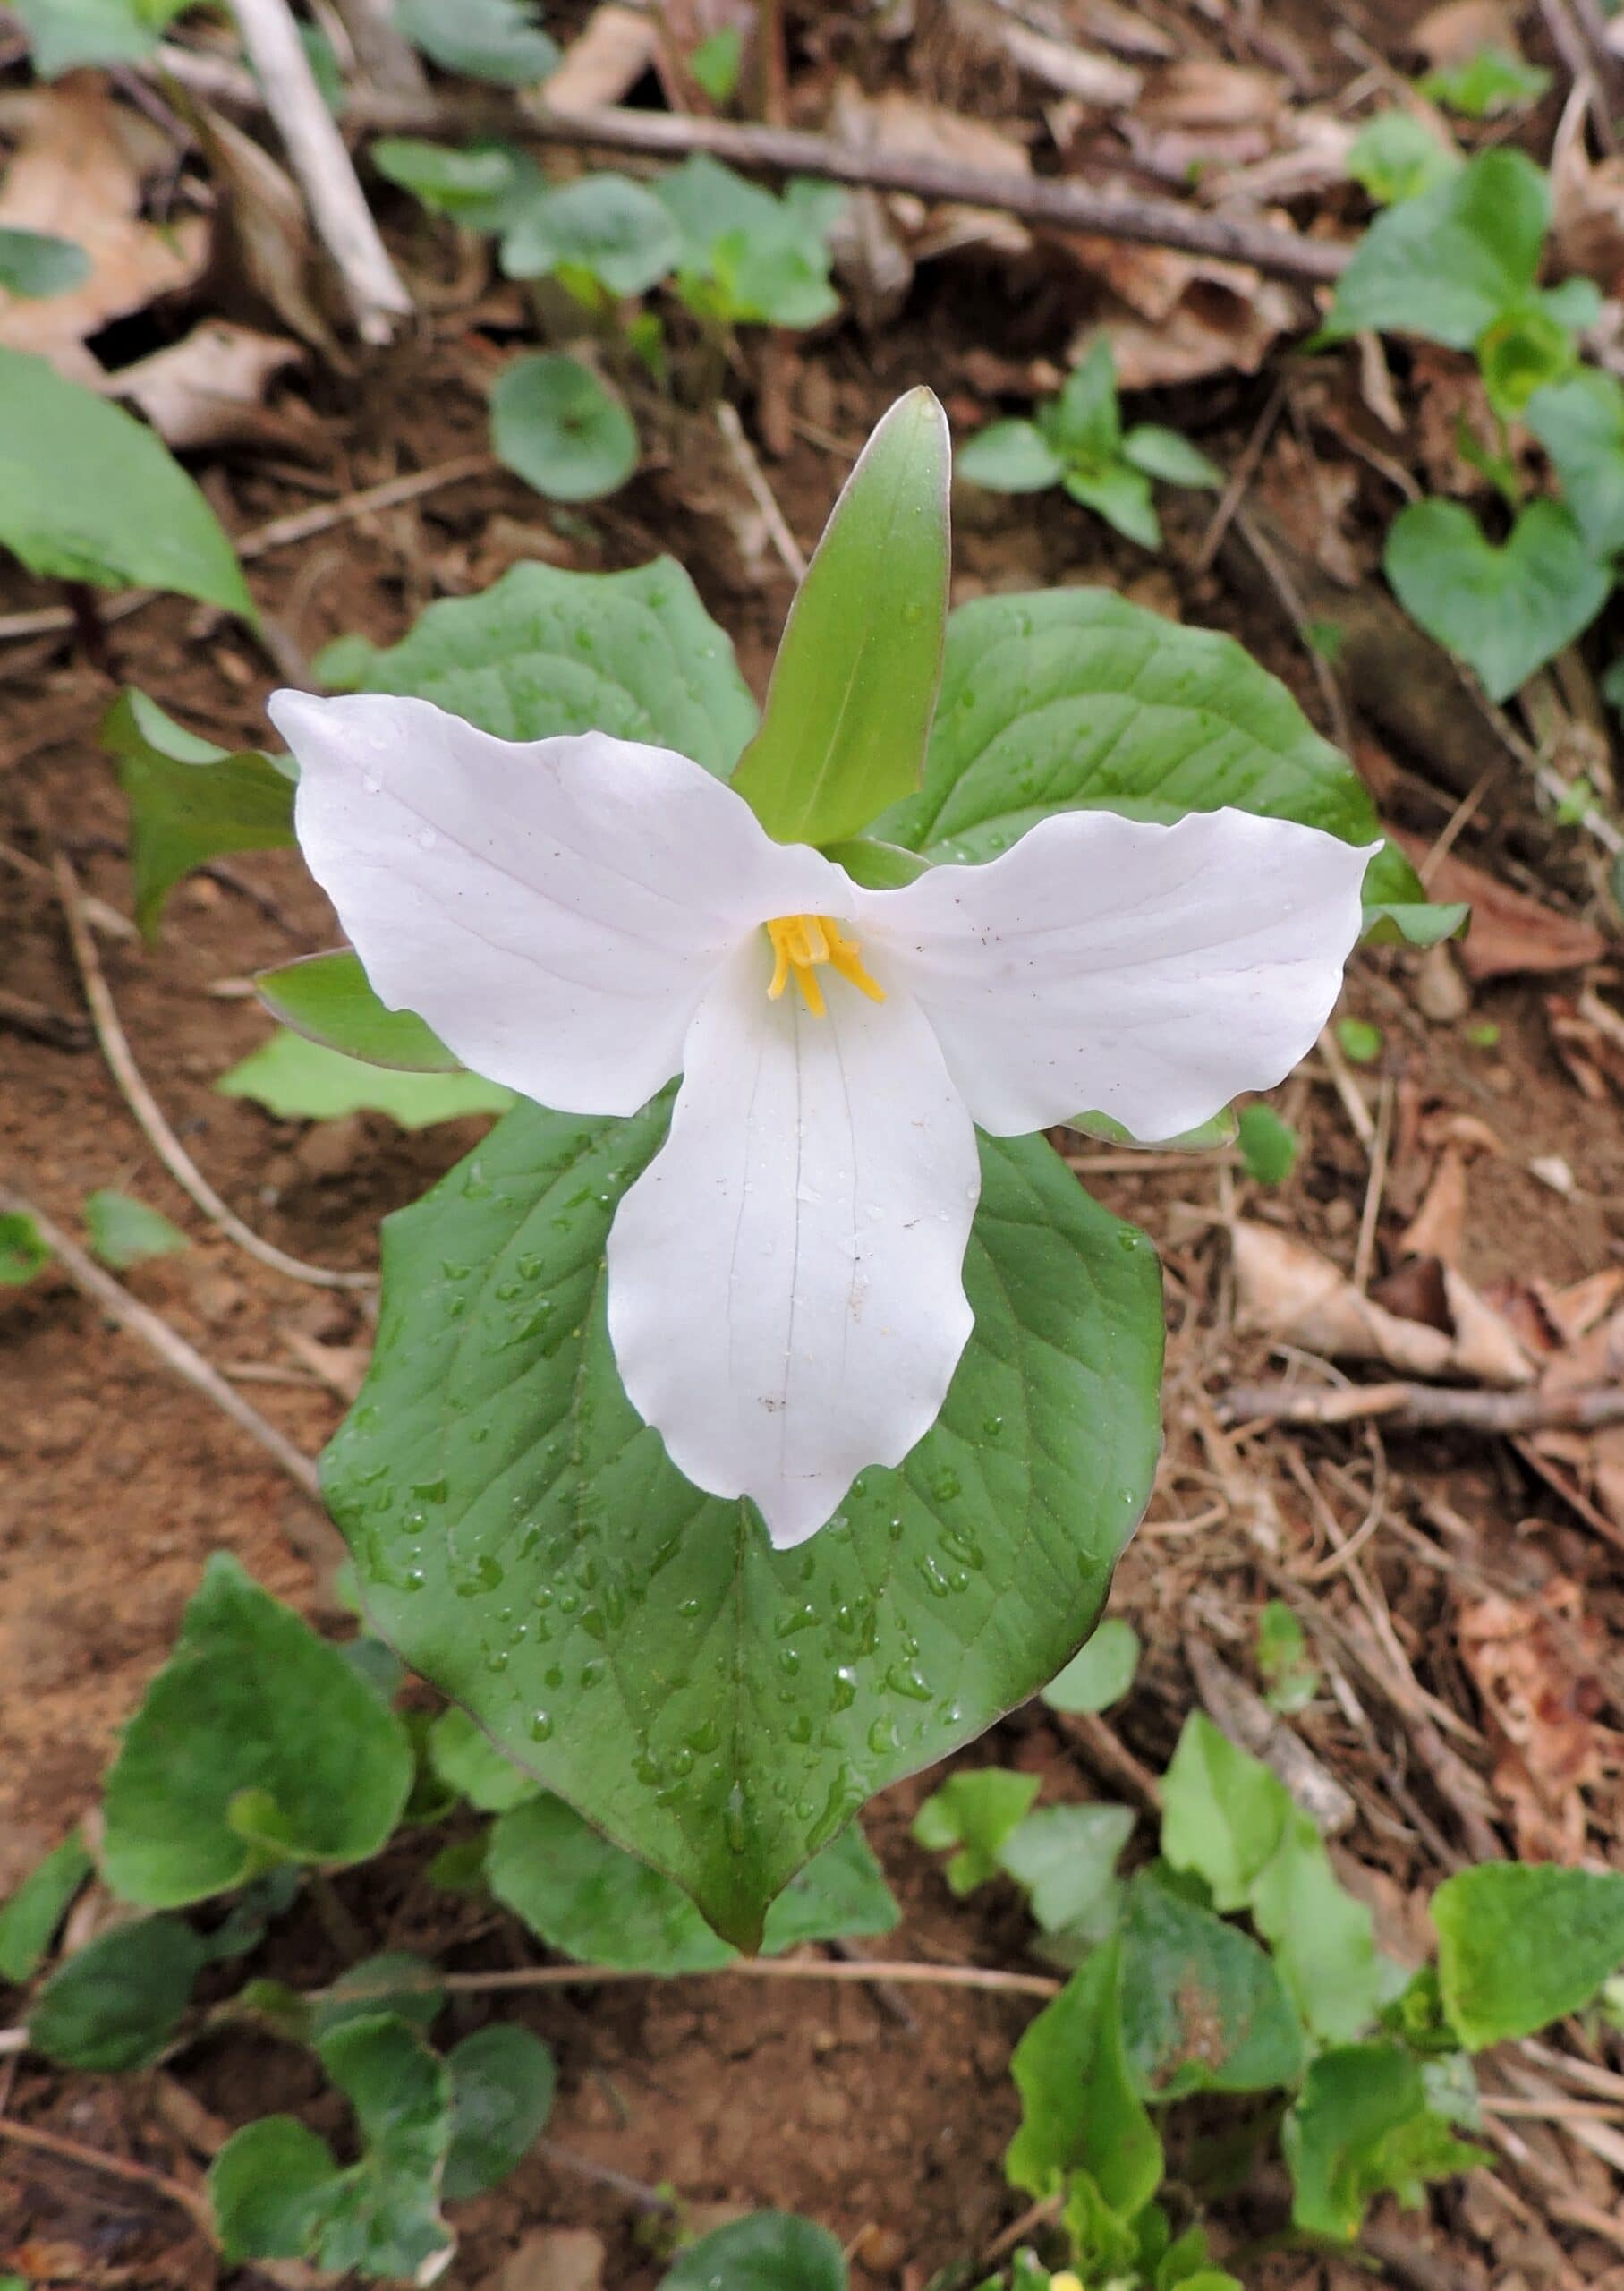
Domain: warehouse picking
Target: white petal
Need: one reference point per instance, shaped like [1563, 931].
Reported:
[554, 908]
[786, 1301]
[1112, 966]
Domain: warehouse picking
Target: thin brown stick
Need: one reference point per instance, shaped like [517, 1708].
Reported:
[1365, 1250]
[148, 1115]
[143, 2176]
[179, 1357]
[299, 524]
[870, 1969]
[1063, 204]
[1411, 1407]
[61, 1029]
[756, 484]
[96, 912]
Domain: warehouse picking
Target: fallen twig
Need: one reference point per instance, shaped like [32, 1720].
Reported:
[322, 163]
[1426, 1407]
[756, 484]
[145, 2175]
[61, 1029]
[149, 1116]
[172, 1349]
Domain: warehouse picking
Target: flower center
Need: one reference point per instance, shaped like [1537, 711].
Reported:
[800, 943]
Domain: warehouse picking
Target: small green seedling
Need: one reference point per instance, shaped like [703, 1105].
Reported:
[749, 257]
[1076, 441]
[1489, 83]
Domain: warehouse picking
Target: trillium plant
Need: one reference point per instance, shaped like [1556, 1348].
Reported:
[730, 1450]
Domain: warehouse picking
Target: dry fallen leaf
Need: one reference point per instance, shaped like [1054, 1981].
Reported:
[1532, 1663]
[1227, 321]
[1453, 33]
[77, 177]
[1586, 203]
[269, 227]
[1064, 65]
[210, 389]
[605, 61]
[1510, 931]
[1290, 1293]
[1200, 91]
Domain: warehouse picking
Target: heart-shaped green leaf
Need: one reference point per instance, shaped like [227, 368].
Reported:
[1506, 609]
[720, 1710]
[1447, 264]
[560, 428]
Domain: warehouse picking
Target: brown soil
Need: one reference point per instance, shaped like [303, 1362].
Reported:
[120, 1482]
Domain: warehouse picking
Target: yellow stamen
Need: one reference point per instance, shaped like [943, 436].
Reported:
[800, 943]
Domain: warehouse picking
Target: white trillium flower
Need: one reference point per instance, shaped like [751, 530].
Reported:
[583, 918]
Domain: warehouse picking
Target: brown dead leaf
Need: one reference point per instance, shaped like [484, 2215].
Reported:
[1064, 65]
[1454, 32]
[1592, 1056]
[1200, 91]
[78, 176]
[1438, 1228]
[210, 389]
[1292, 1294]
[1533, 1664]
[605, 62]
[1583, 1305]
[881, 234]
[269, 228]
[1586, 203]
[1227, 321]
[1510, 931]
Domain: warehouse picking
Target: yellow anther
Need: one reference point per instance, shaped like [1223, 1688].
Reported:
[800, 943]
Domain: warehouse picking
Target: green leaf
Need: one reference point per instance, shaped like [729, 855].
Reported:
[524, 1543]
[1324, 1942]
[748, 257]
[854, 684]
[34, 265]
[557, 426]
[1521, 1943]
[543, 651]
[1447, 264]
[1079, 2110]
[1166, 454]
[190, 801]
[976, 1810]
[469, 1762]
[330, 1000]
[1522, 352]
[770, 2251]
[1009, 458]
[395, 1983]
[1083, 424]
[1361, 1044]
[269, 2186]
[1122, 496]
[715, 63]
[1100, 1673]
[1580, 425]
[299, 1080]
[1360, 2125]
[30, 1919]
[381, 2216]
[1065, 1856]
[250, 1701]
[612, 228]
[1507, 609]
[1290, 1678]
[116, 2003]
[1204, 2010]
[485, 39]
[1223, 1813]
[1492, 82]
[502, 2084]
[594, 1902]
[126, 1233]
[486, 187]
[1268, 1146]
[24, 1249]
[64, 34]
[1075, 700]
[1396, 157]
[88, 493]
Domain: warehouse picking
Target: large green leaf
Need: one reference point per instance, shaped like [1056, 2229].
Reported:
[1521, 1943]
[1449, 262]
[1075, 700]
[190, 801]
[117, 2002]
[87, 493]
[256, 1740]
[635, 654]
[853, 687]
[1506, 608]
[720, 1710]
